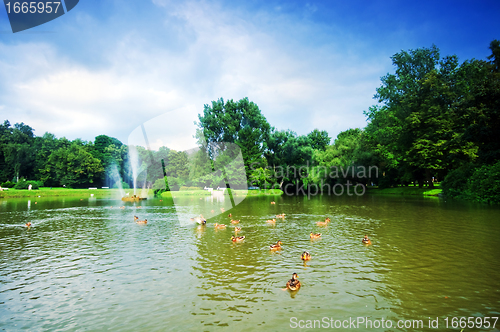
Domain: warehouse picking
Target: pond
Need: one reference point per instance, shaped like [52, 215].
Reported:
[86, 265]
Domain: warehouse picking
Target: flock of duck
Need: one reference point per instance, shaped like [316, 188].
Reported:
[293, 284]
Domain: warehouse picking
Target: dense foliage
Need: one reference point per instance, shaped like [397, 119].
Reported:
[435, 120]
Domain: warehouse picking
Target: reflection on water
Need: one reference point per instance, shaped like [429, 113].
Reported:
[84, 264]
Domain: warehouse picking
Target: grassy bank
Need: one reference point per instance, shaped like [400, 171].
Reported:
[416, 191]
[54, 192]
[169, 194]
[182, 193]
[260, 192]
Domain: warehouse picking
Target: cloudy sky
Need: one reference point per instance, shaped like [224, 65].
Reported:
[110, 66]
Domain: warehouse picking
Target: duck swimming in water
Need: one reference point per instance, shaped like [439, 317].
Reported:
[315, 235]
[276, 246]
[219, 226]
[237, 229]
[28, 224]
[142, 222]
[323, 223]
[280, 216]
[271, 221]
[200, 220]
[237, 238]
[235, 221]
[366, 240]
[305, 256]
[273, 202]
[294, 283]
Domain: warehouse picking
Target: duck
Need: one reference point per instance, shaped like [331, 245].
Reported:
[315, 235]
[28, 224]
[136, 218]
[273, 202]
[143, 222]
[293, 284]
[305, 256]
[237, 238]
[276, 246]
[235, 221]
[237, 229]
[327, 220]
[200, 220]
[280, 215]
[366, 240]
[271, 221]
[322, 223]
[230, 215]
[219, 226]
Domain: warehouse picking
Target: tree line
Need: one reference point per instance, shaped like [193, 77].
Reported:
[435, 120]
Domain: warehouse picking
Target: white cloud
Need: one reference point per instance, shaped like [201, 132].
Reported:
[298, 84]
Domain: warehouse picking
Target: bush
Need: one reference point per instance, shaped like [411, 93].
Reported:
[481, 184]
[455, 184]
[8, 184]
[25, 184]
[160, 185]
[485, 184]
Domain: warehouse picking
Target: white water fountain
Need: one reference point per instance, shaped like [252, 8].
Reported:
[136, 169]
[115, 179]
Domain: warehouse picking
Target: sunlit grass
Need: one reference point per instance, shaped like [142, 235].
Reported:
[50, 192]
[411, 190]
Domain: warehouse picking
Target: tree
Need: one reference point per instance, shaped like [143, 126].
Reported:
[241, 123]
[18, 150]
[415, 129]
[73, 166]
[318, 140]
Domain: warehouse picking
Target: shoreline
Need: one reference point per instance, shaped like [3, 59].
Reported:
[64, 192]
[413, 191]
[113, 193]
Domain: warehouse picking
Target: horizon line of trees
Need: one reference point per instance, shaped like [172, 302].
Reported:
[435, 120]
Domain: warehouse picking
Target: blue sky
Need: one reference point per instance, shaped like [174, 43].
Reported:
[107, 66]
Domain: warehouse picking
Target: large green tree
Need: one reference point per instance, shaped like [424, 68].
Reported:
[239, 122]
[73, 166]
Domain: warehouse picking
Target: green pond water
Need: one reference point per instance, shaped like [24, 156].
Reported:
[85, 265]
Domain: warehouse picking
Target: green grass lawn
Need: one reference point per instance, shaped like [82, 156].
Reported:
[235, 192]
[425, 191]
[108, 193]
[259, 192]
[182, 193]
[48, 192]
